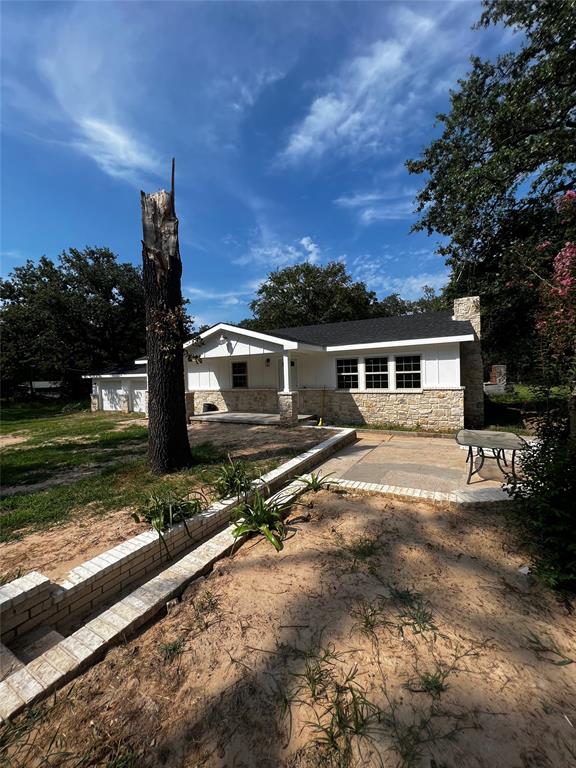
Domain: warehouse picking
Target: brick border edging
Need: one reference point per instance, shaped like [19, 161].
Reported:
[460, 498]
[57, 666]
[34, 599]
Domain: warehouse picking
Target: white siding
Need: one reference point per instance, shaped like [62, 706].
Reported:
[440, 367]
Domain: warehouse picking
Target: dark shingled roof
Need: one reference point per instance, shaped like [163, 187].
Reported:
[377, 329]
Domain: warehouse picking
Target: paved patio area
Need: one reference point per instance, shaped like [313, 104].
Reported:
[228, 417]
[421, 463]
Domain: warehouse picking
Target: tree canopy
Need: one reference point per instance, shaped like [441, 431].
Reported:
[506, 153]
[309, 294]
[77, 316]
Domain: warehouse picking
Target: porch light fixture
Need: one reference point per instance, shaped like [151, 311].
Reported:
[267, 362]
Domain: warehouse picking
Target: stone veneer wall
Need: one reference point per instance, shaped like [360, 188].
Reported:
[239, 400]
[430, 409]
[471, 365]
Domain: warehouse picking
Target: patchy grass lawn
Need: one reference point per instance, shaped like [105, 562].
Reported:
[90, 471]
[383, 634]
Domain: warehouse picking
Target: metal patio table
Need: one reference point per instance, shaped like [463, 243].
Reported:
[485, 440]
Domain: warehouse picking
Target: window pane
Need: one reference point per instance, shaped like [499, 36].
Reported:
[376, 381]
[408, 372]
[239, 375]
[408, 363]
[376, 373]
[347, 373]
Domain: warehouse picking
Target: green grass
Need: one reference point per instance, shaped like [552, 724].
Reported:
[117, 474]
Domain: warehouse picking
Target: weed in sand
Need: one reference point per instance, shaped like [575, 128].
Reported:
[172, 650]
[419, 618]
[359, 549]
[404, 595]
[370, 617]
[549, 646]
[206, 607]
[432, 683]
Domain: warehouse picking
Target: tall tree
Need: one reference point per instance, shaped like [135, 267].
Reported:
[61, 320]
[507, 150]
[307, 294]
[168, 446]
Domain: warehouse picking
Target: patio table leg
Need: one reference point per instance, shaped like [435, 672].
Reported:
[471, 458]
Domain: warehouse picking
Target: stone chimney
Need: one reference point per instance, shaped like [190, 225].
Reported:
[471, 366]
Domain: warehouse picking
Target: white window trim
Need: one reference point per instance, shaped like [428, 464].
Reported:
[237, 362]
[391, 375]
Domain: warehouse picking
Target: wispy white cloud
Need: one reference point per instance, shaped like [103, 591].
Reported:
[271, 254]
[370, 207]
[371, 270]
[377, 97]
[117, 152]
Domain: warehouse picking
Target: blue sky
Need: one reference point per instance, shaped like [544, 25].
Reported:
[290, 123]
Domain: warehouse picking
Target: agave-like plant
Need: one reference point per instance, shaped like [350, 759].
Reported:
[165, 509]
[233, 479]
[314, 482]
[261, 516]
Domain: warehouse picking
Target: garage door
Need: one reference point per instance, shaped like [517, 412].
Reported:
[110, 399]
[139, 400]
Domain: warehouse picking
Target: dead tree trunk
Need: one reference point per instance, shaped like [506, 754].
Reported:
[168, 446]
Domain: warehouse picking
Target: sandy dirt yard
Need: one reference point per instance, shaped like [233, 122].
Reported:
[384, 633]
[56, 550]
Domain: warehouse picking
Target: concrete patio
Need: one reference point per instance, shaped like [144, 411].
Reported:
[229, 417]
[429, 465]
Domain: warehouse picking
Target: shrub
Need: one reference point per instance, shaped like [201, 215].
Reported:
[546, 490]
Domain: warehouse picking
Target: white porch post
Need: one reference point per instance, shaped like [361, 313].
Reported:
[287, 400]
[286, 368]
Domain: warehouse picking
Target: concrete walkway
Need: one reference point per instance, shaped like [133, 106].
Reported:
[428, 464]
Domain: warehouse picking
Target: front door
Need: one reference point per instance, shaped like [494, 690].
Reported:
[293, 374]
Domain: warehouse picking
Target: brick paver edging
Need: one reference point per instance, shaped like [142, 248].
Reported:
[83, 648]
[460, 498]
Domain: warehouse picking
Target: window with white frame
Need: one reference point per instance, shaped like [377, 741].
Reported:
[408, 372]
[239, 375]
[376, 372]
[347, 373]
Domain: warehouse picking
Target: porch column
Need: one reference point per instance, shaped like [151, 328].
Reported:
[287, 400]
[286, 368]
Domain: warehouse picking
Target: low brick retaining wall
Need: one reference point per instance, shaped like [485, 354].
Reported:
[33, 600]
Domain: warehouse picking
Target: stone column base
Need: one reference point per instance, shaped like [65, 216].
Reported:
[288, 408]
[124, 400]
[94, 403]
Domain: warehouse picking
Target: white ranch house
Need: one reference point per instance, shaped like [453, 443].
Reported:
[415, 370]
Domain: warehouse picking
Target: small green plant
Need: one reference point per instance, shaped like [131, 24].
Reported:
[432, 683]
[358, 549]
[11, 575]
[314, 482]
[370, 617]
[164, 509]
[404, 596]
[261, 516]
[419, 618]
[206, 605]
[233, 479]
[548, 648]
[172, 650]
